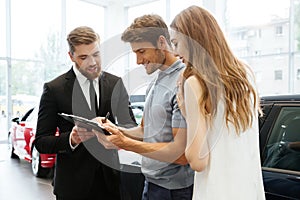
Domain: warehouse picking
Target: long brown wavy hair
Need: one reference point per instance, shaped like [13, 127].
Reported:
[219, 72]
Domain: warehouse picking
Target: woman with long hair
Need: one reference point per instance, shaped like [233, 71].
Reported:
[218, 97]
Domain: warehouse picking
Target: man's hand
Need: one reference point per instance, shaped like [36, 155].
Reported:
[104, 140]
[79, 135]
[117, 136]
[114, 141]
[103, 120]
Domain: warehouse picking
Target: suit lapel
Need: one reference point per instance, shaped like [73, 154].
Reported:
[69, 78]
[102, 93]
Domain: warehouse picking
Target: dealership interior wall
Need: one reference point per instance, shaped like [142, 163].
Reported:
[33, 48]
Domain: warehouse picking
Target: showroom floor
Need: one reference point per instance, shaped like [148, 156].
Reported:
[17, 181]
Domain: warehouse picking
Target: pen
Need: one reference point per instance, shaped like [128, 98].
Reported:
[106, 116]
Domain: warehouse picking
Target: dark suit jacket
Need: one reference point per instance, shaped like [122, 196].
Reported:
[77, 171]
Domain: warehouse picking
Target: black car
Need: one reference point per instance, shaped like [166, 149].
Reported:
[280, 146]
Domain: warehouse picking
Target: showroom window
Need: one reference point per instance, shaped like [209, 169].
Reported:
[40, 50]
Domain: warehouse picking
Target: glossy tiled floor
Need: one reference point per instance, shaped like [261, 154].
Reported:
[17, 181]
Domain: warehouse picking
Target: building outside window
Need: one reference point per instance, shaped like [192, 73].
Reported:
[278, 30]
[40, 49]
[298, 74]
[278, 74]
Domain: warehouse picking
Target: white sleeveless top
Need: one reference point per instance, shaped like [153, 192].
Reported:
[234, 170]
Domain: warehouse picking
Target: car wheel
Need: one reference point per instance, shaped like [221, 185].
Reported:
[11, 148]
[36, 167]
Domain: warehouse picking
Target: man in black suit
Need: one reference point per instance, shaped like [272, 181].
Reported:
[84, 169]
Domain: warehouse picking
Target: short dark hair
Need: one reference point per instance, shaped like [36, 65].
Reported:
[146, 28]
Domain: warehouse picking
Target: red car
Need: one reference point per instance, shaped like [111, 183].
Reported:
[20, 138]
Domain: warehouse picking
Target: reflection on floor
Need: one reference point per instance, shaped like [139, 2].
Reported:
[18, 182]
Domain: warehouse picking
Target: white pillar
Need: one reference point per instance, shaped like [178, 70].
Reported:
[9, 105]
[116, 15]
[112, 48]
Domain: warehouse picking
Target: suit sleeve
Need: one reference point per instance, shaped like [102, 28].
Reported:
[121, 106]
[46, 141]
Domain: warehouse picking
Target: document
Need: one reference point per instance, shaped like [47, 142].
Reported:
[84, 123]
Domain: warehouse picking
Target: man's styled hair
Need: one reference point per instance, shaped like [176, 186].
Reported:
[146, 28]
[81, 35]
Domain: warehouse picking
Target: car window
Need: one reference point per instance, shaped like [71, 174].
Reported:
[283, 147]
[265, 109]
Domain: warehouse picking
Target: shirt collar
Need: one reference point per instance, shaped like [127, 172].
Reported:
[178, 64]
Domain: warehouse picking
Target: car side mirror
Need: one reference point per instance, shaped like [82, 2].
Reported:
[16, 119]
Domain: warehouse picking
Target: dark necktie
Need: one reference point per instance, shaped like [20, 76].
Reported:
[93, 98]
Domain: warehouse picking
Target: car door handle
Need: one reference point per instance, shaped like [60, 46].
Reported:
[294, 178]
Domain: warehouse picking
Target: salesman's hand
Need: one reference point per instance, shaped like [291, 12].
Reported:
[79, 135]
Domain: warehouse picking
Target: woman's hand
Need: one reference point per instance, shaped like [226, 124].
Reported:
[180, 96]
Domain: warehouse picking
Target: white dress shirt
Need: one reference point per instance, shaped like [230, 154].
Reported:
[85, 84]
